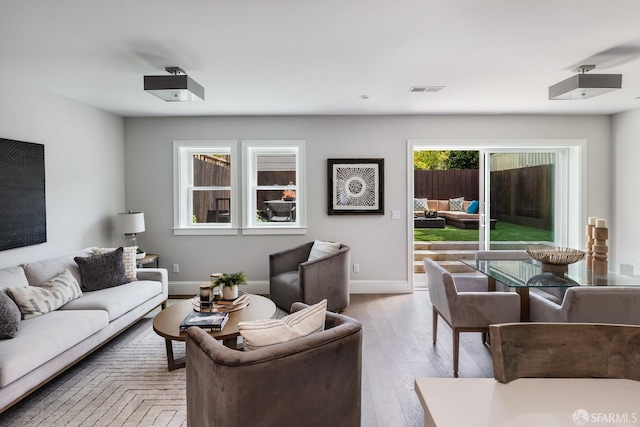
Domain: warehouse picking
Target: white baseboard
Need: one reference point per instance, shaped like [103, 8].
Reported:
[262, 287]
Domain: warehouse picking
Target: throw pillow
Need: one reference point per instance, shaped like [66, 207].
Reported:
[474, 207]
[102, 271]
[128, 259]
[263, 333]
[322, 249]
[420, 204]
[34, 301]
[9, 317]
[456, 205]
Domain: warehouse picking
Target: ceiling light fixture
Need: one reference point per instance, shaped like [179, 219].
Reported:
[584, 86]
[176, 87]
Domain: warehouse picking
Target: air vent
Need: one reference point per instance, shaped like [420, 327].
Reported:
[425, 89]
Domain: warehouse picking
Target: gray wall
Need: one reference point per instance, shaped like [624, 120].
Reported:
[84, 150]
[624, 235]
[379, 244]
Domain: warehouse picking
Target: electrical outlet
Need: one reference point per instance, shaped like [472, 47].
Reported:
[356, 268]
[395, 214]
[176, 268]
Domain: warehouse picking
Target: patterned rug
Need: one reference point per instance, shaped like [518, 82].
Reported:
[126, 383]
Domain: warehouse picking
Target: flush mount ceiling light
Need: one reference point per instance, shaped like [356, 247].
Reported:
[583, 85]
[176, 87]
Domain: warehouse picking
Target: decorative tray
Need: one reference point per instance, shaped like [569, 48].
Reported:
[229, 306]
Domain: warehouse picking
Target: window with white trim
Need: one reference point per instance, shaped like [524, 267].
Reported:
[205, 188]
[274, 193]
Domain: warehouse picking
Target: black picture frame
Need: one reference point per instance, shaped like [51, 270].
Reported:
[23, 209]
[356, 186]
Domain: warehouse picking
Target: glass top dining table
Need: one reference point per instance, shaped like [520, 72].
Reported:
[524, 274]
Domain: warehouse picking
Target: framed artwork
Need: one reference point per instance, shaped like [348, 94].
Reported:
[356, 186]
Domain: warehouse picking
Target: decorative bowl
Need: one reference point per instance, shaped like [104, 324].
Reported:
[141, 255]
[555, 255]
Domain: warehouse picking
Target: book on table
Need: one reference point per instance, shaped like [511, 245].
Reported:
[214, 321]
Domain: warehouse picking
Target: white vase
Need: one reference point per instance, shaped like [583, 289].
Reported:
[230, 292]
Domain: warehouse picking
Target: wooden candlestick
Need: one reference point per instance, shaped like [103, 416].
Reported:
[600, 263]
[590, 228]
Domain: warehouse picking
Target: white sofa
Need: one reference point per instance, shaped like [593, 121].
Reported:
[48, 344]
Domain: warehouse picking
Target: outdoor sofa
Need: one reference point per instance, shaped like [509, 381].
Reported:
[46, 345]
[460, 219]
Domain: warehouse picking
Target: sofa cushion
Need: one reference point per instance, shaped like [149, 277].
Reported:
[41, 271]
[12, 277]
[9, 317]
[35, 301]
[321, 249]
[420, 204]
[457, 204]
[45, 337]
[102, 271]
[128, 259]
[118, 300]
[263, 333]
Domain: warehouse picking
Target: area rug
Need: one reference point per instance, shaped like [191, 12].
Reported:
[126, 383]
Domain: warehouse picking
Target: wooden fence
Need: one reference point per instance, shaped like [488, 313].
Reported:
[522, 196]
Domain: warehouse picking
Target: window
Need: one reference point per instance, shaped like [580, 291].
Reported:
[274, 193]
[205, 189]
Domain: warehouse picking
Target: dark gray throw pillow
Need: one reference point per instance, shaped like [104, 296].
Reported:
[9, 317]
[102, 271]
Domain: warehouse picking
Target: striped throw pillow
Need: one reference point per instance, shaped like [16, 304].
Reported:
[263, 333]
[34, 301]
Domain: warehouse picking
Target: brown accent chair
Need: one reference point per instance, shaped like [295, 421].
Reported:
[292, 278]
[313, 381]
[469, 308]
[565, 350]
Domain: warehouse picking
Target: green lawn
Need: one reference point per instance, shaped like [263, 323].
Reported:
[504, 232]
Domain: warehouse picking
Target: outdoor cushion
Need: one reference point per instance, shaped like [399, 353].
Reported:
[474, 207]
[420, 204]
[456, 204]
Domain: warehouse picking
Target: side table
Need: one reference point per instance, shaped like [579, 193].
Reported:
[148, 259]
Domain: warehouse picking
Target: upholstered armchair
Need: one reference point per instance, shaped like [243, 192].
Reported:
[468, 311]
[313, 381]
[293, 278]
[593, 304]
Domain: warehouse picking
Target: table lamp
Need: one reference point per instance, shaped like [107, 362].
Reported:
[130, 223]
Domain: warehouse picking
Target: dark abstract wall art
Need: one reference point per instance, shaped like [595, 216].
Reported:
[23, 216]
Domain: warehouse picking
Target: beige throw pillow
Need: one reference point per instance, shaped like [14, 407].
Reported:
[263, 333]
[34, 301]
[128, 259]
[322, 249]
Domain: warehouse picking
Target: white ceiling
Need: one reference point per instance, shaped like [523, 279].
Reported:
[275, 57]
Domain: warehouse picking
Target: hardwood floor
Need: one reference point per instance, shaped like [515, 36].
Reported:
[397, 348]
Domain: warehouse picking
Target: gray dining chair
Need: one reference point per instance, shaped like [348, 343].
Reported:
[468, 310]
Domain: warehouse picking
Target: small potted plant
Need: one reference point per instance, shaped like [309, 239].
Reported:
[289, 195]
[431, 213]
[229, 283]
[140, 253]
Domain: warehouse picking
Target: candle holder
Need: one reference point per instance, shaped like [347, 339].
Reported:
[600, 263]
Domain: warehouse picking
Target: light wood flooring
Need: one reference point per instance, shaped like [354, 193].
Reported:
[397, 348]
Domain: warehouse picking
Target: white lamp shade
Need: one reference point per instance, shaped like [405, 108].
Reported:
[130, 222]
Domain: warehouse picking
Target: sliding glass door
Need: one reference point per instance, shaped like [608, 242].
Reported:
[525, 194]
